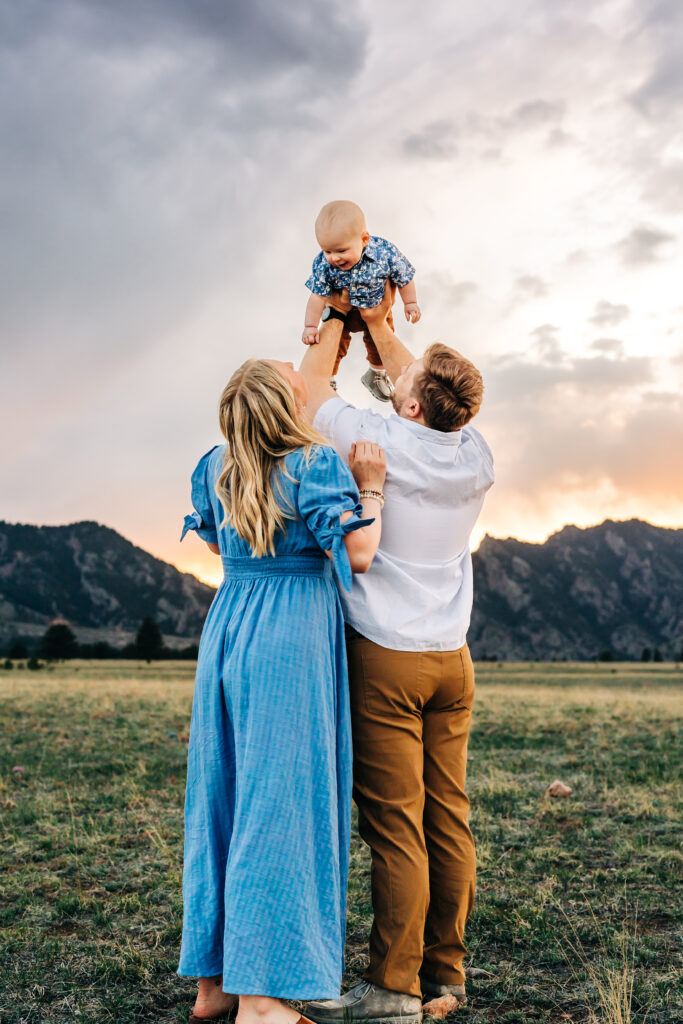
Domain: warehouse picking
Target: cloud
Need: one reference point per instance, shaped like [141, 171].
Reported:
[459, 293]
[439, 289]
[436, 141]
[664, 187]
[550, 372]
[162, 166]
[443, 138]
[643, 245]
[661, 91]
[537, 113]
[528, 287]
[609, 346]
[139, 143]
[547, 344]
[613, 428]
[609, 314]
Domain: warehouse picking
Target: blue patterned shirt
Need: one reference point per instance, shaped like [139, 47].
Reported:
[381, 262]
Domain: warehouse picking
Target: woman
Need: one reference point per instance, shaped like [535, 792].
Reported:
[267, 810]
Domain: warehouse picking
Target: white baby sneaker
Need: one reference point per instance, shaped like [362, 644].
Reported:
[378, 384]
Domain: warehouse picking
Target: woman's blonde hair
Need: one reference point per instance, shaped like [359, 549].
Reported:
[260, 421]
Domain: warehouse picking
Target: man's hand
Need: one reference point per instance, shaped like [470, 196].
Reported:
[378, 314]
[310, 336]
[340, 301]
[412, 311]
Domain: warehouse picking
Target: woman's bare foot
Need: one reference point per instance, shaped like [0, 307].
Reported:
[264, 1010]
[211, 999]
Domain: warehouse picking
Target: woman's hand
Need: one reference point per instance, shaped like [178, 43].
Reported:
[368, 464]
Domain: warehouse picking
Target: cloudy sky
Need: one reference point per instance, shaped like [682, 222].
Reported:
[163, 163]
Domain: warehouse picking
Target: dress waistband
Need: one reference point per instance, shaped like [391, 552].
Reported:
[282, 565]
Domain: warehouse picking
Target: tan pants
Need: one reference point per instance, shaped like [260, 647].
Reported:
[411, 719]
[354, 324]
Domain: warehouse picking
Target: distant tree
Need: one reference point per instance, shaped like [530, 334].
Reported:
[103, 650]
[149, 643]
[58, 643]
[657, 656]
[189, 653]
[8, 664]
[606, 656]
[33, 665]
[17, 650]
[646, 655]
[99, 651]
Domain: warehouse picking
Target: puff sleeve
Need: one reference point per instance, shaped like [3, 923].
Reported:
[327, 490]
[202, 519]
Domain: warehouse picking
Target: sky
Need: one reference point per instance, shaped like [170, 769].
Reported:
[162, 166]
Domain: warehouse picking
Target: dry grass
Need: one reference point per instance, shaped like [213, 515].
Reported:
[577, 909]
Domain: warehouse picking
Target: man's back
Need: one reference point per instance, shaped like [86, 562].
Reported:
[418, 592]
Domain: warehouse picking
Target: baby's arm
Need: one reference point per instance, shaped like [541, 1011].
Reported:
[314, 308]
[409, 295]
[402, 274]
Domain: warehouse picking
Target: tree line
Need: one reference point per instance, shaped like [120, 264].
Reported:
[59, 643]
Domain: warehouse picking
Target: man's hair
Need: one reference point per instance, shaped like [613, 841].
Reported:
[449, 388]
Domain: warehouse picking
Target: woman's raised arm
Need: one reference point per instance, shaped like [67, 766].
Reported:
[368, 464]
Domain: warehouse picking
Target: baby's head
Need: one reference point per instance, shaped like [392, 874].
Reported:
[342, 233]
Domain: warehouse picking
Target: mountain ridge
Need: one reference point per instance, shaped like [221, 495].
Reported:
[613, 588]
[91, 576]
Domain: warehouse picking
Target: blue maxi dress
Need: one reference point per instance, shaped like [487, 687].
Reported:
[268, 799]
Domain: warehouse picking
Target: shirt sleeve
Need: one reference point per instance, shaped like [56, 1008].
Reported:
[342, 424]
[202, 519]
[485, 475]
[401, 270]
[327, 490]
[318, 282]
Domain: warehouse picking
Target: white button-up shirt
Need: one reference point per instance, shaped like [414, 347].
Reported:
[417, 595]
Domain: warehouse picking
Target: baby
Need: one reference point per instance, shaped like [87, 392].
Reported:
[363, 263]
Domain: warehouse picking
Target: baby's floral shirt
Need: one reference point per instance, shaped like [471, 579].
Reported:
[381, 262]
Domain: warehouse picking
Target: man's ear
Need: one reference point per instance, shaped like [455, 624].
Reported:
[365, 238]
[414, 409]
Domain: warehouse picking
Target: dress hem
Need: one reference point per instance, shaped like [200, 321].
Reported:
[304, 994]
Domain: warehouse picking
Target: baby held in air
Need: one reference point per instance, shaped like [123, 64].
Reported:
[352, 259]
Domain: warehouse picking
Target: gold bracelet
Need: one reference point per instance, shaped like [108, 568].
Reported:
[377, 495]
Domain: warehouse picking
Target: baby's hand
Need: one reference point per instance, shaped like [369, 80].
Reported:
[413, 312]
[310, 336]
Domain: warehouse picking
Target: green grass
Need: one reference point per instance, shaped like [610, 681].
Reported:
[577, 903]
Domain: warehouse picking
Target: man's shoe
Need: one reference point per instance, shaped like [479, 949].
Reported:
[366, 1002]
[378, 384]
[440, 1000]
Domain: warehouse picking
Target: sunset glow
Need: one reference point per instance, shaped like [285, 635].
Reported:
[163, 186]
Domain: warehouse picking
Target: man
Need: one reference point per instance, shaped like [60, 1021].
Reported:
[410, 672]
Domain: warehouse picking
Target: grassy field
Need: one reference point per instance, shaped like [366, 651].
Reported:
[576, 910]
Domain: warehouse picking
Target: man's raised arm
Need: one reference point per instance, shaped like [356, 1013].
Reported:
[318, 362]
[393, 353]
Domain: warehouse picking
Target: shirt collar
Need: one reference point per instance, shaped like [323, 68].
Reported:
[451, 437]
[370, 250]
